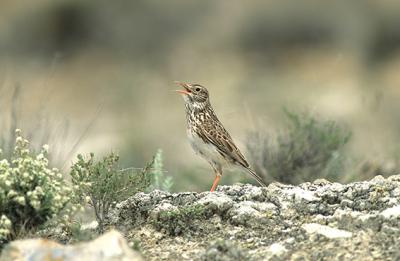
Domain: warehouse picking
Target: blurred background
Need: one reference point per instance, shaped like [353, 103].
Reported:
[96, 76]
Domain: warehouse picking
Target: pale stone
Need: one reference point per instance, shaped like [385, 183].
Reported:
[110, 247]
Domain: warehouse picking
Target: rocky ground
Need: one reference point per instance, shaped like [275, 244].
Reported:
[312, 221]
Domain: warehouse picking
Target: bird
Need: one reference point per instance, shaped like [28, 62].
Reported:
[207, 136]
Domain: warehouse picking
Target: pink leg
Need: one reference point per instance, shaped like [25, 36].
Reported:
[215, 183]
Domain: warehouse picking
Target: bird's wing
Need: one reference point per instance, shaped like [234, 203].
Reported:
[215, 133]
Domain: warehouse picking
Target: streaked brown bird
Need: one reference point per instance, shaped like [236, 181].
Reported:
[207, 135]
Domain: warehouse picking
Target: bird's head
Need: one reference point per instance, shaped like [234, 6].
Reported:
[194, 94]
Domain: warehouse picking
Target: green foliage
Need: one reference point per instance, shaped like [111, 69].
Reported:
[159, 180]
[102, 183]
[30, 192]
[308, 149]
[135, 245]
[176, 222]
[79, 234]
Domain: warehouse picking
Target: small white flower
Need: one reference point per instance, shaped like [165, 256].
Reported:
[39, 190]
[35, 204]
[4, 232]
[46, 147]
[87, 199]
[4, 221]
[4, 163]
[11, 193]
[7, 223]
[20, 200]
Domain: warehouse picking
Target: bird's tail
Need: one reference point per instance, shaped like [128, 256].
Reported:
[256, 177]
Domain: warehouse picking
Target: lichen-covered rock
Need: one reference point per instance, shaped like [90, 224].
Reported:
[223, 250]
[328, 232]
[312, 221]
[110, 247]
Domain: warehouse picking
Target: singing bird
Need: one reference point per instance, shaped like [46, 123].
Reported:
[207, 135]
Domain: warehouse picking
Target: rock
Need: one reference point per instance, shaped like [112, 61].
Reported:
[393, 212]
[311, 221]
[223, 250]
[216, 202]
[110, 246]
[326, 231]
[276, 250]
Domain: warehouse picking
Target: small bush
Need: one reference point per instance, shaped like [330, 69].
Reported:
[308, 149]
[78, 233]
[30, 192]
[176, 222]
[102, 184]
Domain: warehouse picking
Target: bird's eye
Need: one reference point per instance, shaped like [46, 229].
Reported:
[197, 89]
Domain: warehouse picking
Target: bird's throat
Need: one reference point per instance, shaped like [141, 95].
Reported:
[197, 111]
[195, 107]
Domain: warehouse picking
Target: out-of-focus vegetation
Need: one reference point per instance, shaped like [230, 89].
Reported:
[309, 147]
[43, 129]
[31, 193]
[340, 59]
[35, 198]
[306, 149]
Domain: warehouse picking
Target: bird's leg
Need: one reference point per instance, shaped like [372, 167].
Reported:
[218, 173]
[215, 183]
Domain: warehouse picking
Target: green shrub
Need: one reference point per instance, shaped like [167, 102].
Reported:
[158, 178]
[176, 222]
[309, 148]
[102, 183]
[30, 192]
[78, 233]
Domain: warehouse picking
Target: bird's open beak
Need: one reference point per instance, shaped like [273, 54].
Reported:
[185, 86]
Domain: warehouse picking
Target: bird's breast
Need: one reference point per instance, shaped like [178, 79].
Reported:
[206, 150]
